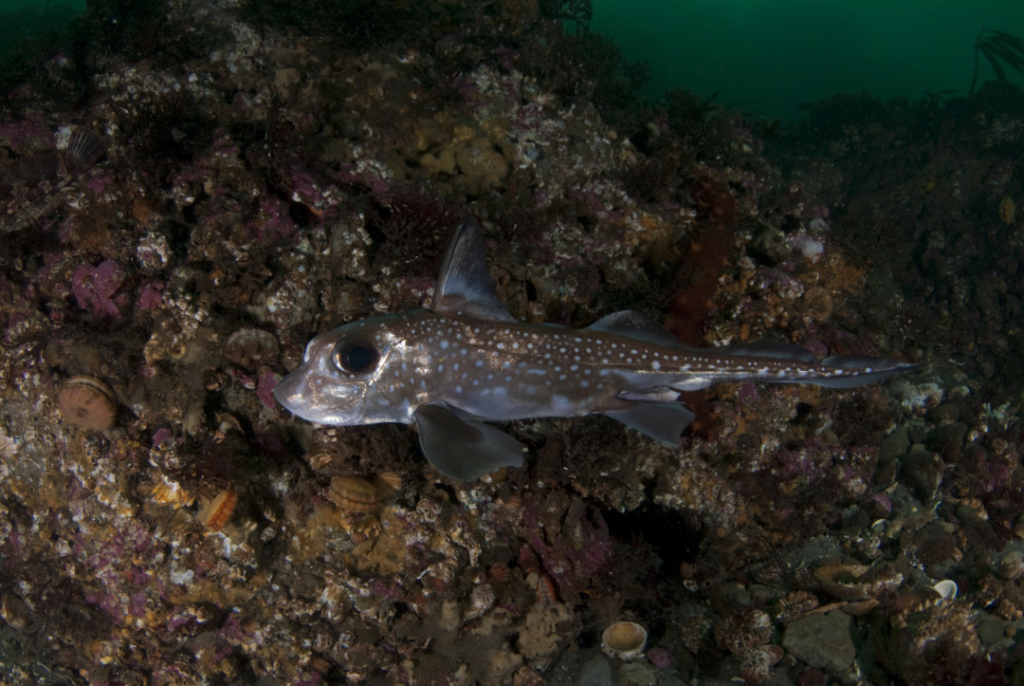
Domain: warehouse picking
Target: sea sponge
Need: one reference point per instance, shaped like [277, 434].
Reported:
[482, 165]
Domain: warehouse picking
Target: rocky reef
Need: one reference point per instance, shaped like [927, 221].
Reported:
[191, 194]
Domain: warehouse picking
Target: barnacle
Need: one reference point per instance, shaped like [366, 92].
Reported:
[169, 492]
[756, 663]
[794, 604]
[743, 631]
[7, 446]
[481, 599]
[1011, 565]
[251, 348]
[87, 402]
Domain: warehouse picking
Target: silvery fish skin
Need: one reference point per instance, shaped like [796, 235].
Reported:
[466, 360]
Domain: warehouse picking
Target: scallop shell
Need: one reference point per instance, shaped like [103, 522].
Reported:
[499, 573]
[354, 494]
[388, 484]
[88, 403]
[216, 513]
[624, 641]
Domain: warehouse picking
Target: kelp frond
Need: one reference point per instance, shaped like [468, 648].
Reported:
[1002, 50]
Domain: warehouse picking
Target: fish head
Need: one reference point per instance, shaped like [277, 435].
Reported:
[338, 381]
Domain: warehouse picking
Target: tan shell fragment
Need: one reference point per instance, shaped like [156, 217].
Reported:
[851, 581]
[88, 403]
[168, 492]
[1007, 210]
[624, 641]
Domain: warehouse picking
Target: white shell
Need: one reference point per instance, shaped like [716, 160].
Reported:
[624, 641]
[946, 589]
[881, 526]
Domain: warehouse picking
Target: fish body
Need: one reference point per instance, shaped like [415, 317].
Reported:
[466, 360]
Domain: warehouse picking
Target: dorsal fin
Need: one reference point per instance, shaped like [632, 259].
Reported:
[639, 326]
[464, 286]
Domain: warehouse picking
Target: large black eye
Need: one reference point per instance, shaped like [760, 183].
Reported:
[356, 357]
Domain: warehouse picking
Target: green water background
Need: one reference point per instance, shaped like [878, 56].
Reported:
[23, 19]
[759, 56]
[767, 56]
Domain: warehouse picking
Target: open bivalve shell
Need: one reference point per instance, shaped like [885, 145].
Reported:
[624, 641]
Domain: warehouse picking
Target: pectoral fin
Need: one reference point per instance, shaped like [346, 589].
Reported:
[664, 422]
[463, 449]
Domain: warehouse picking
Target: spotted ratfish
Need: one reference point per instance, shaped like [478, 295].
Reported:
[465, 360]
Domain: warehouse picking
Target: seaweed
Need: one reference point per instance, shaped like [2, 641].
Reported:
[578, 11]
[1000, 49]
